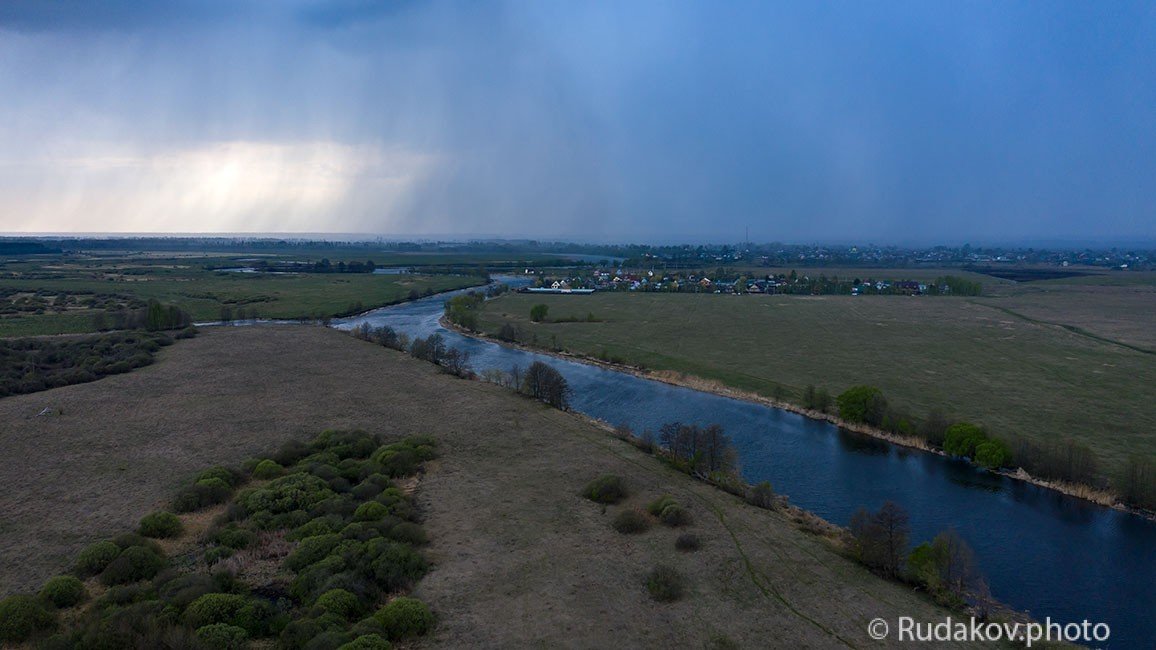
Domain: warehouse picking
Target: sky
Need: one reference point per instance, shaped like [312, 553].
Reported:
[861, 121]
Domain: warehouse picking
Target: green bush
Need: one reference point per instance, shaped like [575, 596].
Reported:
[317, 526]
[311, 550]
[121, 595]
[161, 524]
[222, 636]
[664, 584]
[293, 492]
[368, 626]
[95, 557]
[631, 522]
[339, 602]
[864, 404]
[21, 616]
[687, 542]
[658, 505]
[605, 489]
[63, 591]
[134, 563]
[992, 454]
[215, 554]
[371, 511]
[397, 566]
[397, 462]
[218, 608]
[405, 617]
[267, 469]
[215, 485]
[674, 515]
[182, 590]
[235, 538]
[962, 438]
[225, 474]
[367, 642]
[409, 533]
[208, 492]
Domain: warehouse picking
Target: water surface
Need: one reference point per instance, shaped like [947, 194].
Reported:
[1043, 552]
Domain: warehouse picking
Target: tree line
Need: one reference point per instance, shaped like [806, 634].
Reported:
[153, 317]
[1058, 459]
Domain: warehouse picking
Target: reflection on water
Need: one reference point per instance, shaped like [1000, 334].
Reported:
[1041, 551]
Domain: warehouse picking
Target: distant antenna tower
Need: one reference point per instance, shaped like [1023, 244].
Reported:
[747, 238]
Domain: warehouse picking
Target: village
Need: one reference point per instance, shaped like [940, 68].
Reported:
[793, 283]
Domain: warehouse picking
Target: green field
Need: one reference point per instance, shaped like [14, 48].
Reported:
[1076, 369]
[61, 295]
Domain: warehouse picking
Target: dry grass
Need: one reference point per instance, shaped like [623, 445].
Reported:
[520, 558]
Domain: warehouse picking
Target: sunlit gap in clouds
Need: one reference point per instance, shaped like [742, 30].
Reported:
[234, 186]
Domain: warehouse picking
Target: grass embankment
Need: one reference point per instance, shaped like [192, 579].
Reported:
[519, 557]
[63, 297]
[961, 355]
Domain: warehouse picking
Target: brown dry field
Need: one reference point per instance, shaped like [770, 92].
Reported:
[519, 559]
[1124, 313]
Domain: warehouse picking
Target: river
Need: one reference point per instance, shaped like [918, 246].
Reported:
[1041, 551]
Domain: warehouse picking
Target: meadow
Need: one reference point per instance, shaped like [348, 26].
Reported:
[518, 557]
[1046, 360]
[63, 294]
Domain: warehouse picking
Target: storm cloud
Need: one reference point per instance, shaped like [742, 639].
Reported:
[647, 121]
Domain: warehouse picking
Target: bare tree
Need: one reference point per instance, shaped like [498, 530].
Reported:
[881, 538]
[545, 383]
[456, 362]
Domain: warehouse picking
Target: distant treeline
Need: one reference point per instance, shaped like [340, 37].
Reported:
[154, 317]
[1061, 459]
[321, 266]
[34, 364]
[26, 248]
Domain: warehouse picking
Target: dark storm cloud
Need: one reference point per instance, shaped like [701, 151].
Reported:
[814, 121]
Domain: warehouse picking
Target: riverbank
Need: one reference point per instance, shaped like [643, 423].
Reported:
[1102, 498]
[519, 557]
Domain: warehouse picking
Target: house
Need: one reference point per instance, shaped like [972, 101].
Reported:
[907, 288]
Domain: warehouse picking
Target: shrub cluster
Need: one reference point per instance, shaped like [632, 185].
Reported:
[21, 616]
[631, 522]
[306, 521]
[668, 511]
[161, 525]
[34, 364]
[212, 487]
[605, 489]
[63, 591]
[405, 617]
[971, 441]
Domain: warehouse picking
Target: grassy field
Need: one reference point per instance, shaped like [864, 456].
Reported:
[64, 290]
[975, 358]
[519, 558]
